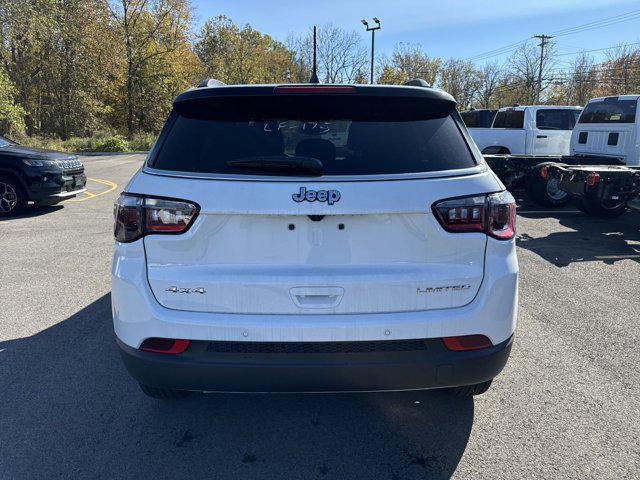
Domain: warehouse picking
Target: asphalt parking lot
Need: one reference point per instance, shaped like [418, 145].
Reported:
[566, 406]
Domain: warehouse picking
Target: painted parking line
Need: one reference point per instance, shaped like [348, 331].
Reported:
[88, 195]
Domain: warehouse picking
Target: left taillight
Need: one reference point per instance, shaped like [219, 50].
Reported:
[136, 216]
[493, 214]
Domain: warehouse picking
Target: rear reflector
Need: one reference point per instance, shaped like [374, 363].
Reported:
[164, 345]
[467, 342]
[592, 179]
[307, 89]
[544, 172]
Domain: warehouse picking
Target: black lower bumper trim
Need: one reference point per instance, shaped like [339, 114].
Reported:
[201, 369]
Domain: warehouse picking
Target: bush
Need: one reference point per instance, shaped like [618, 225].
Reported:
[112, 144]
[98, 143]
[38, 142]
[142, 142]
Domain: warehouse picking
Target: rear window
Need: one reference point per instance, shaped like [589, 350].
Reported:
[471, 119]
[556, 119]
[202, 140]
[478, 118]
[509, 119]
[610, 110]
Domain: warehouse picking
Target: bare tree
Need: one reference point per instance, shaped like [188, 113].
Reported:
[582, 80]
[461, 79]
[524, 65]
[490, 76]
[620, 71]
[341, 55]
[301, 48]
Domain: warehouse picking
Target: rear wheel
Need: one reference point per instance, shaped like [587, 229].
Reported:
[13, 199]
[471, 390]
[164, 393]
[598, 208]
[545, 191]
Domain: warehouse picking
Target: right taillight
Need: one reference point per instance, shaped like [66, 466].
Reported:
[501, 216]
[493, 214]
[136, 216]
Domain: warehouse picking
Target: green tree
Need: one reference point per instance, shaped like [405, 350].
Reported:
[11, 114]
[242, 55]
[461, 79]
[408, 62]
[151, 32]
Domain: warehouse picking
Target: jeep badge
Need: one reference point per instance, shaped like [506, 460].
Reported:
[329, 196]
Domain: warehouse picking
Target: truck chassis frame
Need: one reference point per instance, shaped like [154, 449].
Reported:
[526, 171]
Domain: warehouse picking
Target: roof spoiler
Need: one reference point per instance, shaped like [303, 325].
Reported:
[210, 82]
[417, 82]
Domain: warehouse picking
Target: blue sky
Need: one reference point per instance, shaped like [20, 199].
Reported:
[449, 28]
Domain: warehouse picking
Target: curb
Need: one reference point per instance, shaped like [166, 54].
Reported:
[98, 154]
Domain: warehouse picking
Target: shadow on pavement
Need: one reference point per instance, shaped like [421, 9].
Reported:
[69, 410]
[590, 239]
[35, 211]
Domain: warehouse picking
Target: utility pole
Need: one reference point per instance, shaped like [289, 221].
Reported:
[543, 42]
[373, 39]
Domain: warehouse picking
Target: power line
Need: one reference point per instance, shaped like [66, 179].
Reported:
[604, 22]
[498, 51]
[598, 23]
[598, 49]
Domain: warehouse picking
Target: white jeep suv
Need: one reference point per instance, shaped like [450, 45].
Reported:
[255, 254]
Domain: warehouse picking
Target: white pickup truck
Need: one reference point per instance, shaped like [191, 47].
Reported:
[609, 127]
[528, 130]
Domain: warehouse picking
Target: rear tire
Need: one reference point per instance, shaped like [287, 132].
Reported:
[13, 199]
[164, 393]
[545, 191]
[471, 390]
[597, 208]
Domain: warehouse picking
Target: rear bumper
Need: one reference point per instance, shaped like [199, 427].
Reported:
[137, 315]
[203, 367]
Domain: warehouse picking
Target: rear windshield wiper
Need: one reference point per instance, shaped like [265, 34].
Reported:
[299, 164]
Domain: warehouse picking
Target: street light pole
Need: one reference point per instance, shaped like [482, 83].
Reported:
[373, 40]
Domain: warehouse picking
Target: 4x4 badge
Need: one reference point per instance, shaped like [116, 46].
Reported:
[199, 290]
[329, 196]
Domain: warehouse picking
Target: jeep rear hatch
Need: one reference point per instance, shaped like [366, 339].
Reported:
[273, 239]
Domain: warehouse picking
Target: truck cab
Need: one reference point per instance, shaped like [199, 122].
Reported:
[608, 127]
[478, 118]
[528, 130]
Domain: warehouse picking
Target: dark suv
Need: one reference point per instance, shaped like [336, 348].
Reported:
[41, 176]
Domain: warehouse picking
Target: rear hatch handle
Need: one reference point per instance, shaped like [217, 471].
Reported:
[316, 297]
